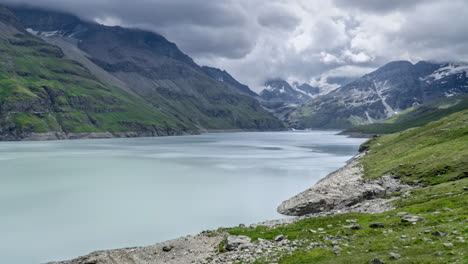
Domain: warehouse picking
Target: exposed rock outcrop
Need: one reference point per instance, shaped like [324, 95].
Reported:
[342, 191]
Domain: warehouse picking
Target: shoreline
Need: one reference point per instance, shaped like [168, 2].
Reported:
[59, 136]
[342, 191]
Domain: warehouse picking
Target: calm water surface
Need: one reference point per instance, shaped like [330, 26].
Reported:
[63, 199]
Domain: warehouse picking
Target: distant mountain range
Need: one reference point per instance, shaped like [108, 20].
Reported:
[381, 94]
[65, 76]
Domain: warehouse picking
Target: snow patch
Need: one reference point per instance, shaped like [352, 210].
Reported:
[445, 71]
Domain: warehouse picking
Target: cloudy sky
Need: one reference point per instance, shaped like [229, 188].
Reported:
[293, 39]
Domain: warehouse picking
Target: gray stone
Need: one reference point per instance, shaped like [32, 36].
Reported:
[279, 238]
[394, 255]
[411, 219]
[448, 245]
[167, 248]
[234, 242]
[401, 214]
[439, 234]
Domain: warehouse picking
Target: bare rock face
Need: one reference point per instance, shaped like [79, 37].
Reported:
[341, 190]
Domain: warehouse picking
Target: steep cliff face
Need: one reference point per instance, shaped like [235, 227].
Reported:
[152, 68]
[41, 91]
[382, 94]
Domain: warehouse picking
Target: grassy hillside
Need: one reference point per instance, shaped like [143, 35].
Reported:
[434, 153]
[415, 116]
[436, 156]
[41, 91]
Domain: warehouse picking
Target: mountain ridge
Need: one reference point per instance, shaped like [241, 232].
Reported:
[143, 65]
[381, 94]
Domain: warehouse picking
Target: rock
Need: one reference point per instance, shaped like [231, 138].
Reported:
[438, 234]
[351, 220]
[354, 227]
[425, 239]
[234, 242]
[394, 255]
[376, 225]
[377, 261]
[341, 190]
[411, 219]
[401, 214]
[279, 238]
[448, 245]
[241, 225]
[167, 248]
[312, 231]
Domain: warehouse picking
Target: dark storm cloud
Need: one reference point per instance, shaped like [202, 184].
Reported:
[198, 26]
[296, 39]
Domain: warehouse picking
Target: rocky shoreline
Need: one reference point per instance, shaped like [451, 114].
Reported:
[50, 136]
[342, 191]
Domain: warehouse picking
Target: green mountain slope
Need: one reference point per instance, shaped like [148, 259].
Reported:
[151, 67]
[434, 153]
[41, 91]
[434, 156]
[415, 116]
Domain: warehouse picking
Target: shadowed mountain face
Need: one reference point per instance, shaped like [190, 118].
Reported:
[150, 67]
[382, 94]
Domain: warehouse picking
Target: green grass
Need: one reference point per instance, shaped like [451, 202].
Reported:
[444, 208]
[45, 92]
[434, 155]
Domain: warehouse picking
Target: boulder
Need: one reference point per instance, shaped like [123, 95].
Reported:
[411, 219]
[279, 238]
[234, 242]
[167, 248]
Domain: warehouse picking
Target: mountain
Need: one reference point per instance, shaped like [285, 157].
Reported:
[382, 94]
[414, 117]
[136, 65]
[44, 95]
[279, 90]
[226, 79]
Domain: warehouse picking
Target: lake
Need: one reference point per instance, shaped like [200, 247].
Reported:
[62, 199]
